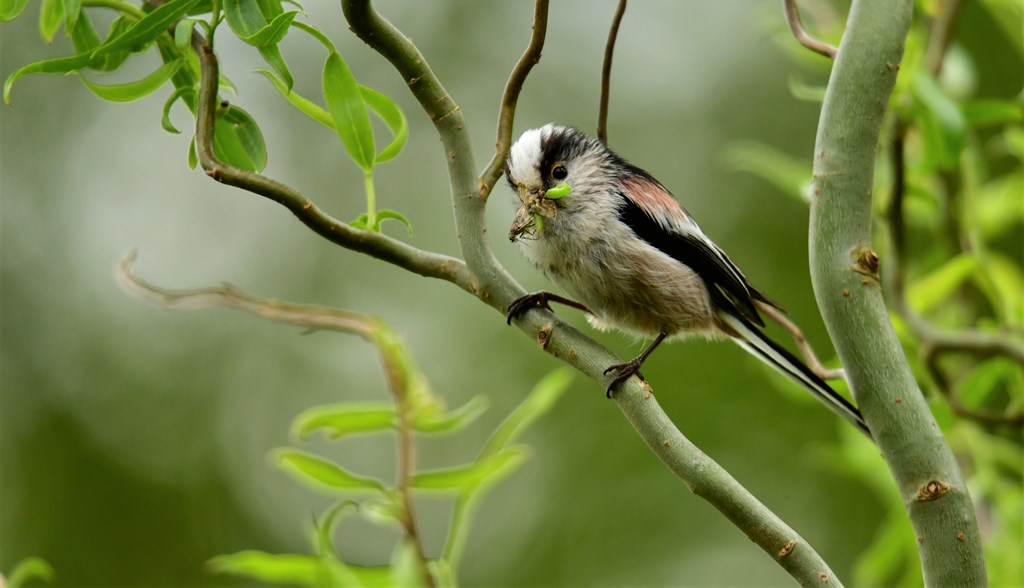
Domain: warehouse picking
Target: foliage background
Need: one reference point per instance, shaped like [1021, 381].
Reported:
[134, 441]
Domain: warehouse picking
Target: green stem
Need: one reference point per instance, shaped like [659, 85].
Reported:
[118, 5]
[844, 273]
[371, 200]
[214, 21]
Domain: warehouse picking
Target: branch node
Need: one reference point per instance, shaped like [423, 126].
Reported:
[866, 262]
[933, 490]
[544, 335]
[787, 548]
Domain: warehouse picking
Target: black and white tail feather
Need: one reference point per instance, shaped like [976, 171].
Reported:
[758, 344]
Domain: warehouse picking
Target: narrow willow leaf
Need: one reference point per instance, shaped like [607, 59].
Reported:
[328, 523]
[272, 55]
[1008, 280]
[986, 380]
[393, 117]
[454, 420]
[500, 463]
[59, 65]
[51, 14]
[72, 9]
[183, 33]
[321, 472]
[543, 396]
[345, 104]
[271, 9]
[305, 106]
[273, 32]
[297, 4]
[361, 222]
[803, 91]
[305, 570]
[340, 420]
[786, 173]
[316, 34]
[183, 92]
[943, 125]
[238, 140]
[134, 90]
[148, 28]
[10, 9]
[193, 158]
[113, 60]
[382, 512]
[244, 17]
[986, 113]
[928, 292]
[32, 568]
[84, 36]
[388, 214]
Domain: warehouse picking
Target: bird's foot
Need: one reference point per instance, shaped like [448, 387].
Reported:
[625, 371]
[538, 300]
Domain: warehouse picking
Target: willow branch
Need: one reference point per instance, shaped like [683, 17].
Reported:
[844, 273]
[606, 72]
[495, 287]
[377, 245]
[509, 99]
[793, 18]
[810, 358]
[311, 317]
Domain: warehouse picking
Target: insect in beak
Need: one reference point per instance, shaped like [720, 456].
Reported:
[537, 204]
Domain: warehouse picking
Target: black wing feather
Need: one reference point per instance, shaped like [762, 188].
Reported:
[712, 265]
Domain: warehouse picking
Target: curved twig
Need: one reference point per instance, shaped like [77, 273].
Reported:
[810, 358]
[496, 288]
[606, 72]
[378, 245]
[509, 99]
[793, 18]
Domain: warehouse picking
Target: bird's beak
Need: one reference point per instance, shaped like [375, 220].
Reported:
[524, 194]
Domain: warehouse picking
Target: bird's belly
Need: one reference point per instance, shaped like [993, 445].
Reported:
[640, 291]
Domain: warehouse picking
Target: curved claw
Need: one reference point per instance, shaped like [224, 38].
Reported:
[626, 371]
[524, 303]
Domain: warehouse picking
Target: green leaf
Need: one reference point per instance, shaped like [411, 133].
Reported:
[184, 92]
[452, 421]
[238, 140]
[388, 214]
[500, 463]
[328, 523]
[32, 568]
[193, 158]
[1008, 280]
[340, 420]
[381, 511]
[926, 293]
[148, 28]
[72, 8]
[999, 206]
[316, 34]
[84, 36]
[272, 33]
[320, 472]
[59, 65]
[307, 107]
[405, 570]
[806, 92]
[981, 384]
[110, 61]
[360, 222]
[10, 9]
[134, 90]
[986, 113]
[183, 33]
[306, 570]
[348, 111]
[394, 118]
[942, 124]
[270, 8]
[789, 174]
[543, 396]
[51, 14]
[272, 55]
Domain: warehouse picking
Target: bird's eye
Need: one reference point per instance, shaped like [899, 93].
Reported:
[559, 172]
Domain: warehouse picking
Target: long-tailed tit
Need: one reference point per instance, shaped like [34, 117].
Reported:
[614, 238]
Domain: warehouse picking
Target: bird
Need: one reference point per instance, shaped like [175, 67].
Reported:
[615, 239]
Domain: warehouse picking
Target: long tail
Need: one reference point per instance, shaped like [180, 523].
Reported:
[753, 340]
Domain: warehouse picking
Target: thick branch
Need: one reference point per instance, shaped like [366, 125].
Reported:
[844, 273]
[606, 73]
[378, 245]
[507, 111]
[495, 287]
[793, 18]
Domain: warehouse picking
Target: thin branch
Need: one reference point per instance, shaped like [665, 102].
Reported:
[947, 388]
[941, 35]
[496, 288]
[842, 267]
[606, 72]
[507, 111]
[377, 245]
[793, 18]
[311, 317]
[801, 342]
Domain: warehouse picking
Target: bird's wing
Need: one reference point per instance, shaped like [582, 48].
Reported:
[657, 218]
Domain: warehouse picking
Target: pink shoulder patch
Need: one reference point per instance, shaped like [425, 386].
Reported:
[654, 199]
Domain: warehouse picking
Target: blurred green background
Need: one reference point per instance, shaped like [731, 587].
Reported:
[134, 440]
